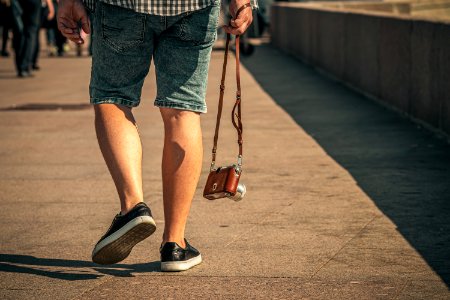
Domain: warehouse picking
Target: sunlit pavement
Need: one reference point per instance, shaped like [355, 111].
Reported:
[345, 198]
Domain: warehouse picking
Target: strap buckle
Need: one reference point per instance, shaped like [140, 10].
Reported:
[239, 162]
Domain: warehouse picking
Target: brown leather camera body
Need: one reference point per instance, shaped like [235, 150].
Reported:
[221, 183]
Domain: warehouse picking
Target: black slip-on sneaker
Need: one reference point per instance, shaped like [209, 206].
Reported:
[123, 234]
[174, 258]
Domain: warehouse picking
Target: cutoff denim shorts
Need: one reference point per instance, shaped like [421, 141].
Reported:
[124, 43]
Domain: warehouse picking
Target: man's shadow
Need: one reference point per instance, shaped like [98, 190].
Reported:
[67, 269]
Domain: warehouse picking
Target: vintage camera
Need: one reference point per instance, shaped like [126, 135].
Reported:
[224, 182]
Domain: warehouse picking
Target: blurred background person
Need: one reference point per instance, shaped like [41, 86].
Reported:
[47, 14]
[6, 21]
[26, 15]
[60, 41]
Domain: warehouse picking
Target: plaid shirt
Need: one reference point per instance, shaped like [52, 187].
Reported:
[161, 7]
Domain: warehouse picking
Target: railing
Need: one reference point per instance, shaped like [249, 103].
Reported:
[401, 61]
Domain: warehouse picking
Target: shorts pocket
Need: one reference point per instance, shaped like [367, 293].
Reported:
[200, 26]
[122, 28]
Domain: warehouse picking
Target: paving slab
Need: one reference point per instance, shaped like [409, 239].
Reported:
[346, 200]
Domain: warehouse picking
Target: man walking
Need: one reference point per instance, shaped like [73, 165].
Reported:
[179, 35]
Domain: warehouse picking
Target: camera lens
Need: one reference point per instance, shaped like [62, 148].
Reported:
[240, 192]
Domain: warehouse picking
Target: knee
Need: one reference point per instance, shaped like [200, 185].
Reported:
[175, 116]
[112, 111]
[181, 123]
[105, 108]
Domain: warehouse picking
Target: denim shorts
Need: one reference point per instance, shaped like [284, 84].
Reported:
[124, 43]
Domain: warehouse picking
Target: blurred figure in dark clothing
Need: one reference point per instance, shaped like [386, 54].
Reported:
[46, 15]
[60, 40]
[51, 41]
[52, 28]
[6, 21]
[26, 23]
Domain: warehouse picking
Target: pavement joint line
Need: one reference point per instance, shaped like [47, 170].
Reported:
[289, 204]
[107, 278]
[22, 179]
[51, 164]
[400, 290]
[250, 230]
[301, 278]
[345, 244]
[20, 289]
[257, 224]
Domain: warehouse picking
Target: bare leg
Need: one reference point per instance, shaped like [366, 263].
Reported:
[181, 166]
[120, 144]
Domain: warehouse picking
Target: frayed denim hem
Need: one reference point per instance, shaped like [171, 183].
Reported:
[114, 100]
[181, 106]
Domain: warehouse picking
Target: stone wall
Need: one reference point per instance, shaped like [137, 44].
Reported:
[403, 61]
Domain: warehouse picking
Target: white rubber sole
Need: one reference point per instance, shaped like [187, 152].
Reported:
[118, 245]
[176, 266]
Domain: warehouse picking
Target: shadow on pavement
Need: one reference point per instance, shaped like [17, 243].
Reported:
[404, 169]
[72, 270]
[12, 76]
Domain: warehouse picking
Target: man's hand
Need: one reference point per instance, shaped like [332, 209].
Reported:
[240, 23]
[72, 14]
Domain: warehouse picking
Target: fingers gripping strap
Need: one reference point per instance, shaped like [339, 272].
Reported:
[242, 8]
[236, 112]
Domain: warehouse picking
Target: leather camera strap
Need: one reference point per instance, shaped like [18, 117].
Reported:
[236, 112]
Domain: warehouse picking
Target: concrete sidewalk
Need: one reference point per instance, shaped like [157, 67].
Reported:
[345, 199]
